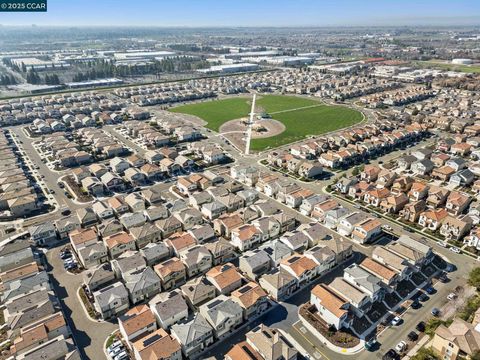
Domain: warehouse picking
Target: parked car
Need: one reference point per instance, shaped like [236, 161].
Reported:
[121, 356]
[65, 255]
[115, 351]
[430, 290]
[443, 277]
[66, 212]
[391, 355]
[451, 296]
[387, 227]
[401, 347]
[371, 345]
[455, 249]
[71, 266]
[435, 311]
[450, 268]
[412, 336]
[442, 244]
[416, 305]
[423, 297]
[420, 326]
[396, 321]
[61, 185]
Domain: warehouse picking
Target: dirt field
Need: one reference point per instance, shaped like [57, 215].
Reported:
[234, 130]
[271, 128]
[158, 113]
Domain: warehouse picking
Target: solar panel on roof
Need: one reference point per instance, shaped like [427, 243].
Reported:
[247, 350]
[215, 303]
[151, 340]
[244, 289]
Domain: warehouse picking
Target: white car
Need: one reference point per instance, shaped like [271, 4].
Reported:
[116, 344]
[451, 296]
[387, 227]
[401, 347]
[396, 321]
[115, 351]
[455, 249]
[121, 355]
[442, 244]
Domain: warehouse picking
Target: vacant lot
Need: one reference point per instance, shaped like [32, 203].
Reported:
[433, 64]
[301, 116]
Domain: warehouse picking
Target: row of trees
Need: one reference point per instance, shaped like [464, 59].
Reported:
[102, 69]
[33, 78]
[8, 80]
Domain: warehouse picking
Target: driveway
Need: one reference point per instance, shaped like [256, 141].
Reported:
[89, 335]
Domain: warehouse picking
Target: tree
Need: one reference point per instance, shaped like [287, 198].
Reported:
[356, 171]
[474, 278]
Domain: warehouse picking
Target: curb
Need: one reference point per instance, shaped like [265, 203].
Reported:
[77, 293]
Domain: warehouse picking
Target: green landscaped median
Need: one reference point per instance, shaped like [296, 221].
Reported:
[301, 116]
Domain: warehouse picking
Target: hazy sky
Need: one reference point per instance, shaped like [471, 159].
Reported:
[251, 13]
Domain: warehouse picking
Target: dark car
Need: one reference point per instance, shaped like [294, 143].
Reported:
[420, 326]
[435, 312]
[65, 255]
[450, 268]
[391, 355]
[66, 212]
[371, 345]
[430, 290]
[71, 266]
[443, 277]
[423, 297]
[412, 336]
[61, 185]
[416, 305]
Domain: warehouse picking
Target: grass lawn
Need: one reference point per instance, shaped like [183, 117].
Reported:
[298, 122]
[217, 112]
[311, 121]
[274, 103]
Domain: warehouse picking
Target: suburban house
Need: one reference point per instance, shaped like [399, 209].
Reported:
[172, 273]
[223, 314]
[194, 335]
[111, 301]
[169, 308]
[136, 323]
[331, 307]
[225, 278]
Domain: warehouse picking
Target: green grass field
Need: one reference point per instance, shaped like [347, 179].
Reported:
[274, 103]
[217, 112]
[299, 115]
[310, 121]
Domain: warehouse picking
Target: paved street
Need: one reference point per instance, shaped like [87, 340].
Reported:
[50, 177]
[391, 336]
[89, 335]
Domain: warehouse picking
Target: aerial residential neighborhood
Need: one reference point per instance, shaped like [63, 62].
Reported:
[301, 183]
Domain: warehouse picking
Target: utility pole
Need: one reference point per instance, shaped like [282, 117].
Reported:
[249, 127]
